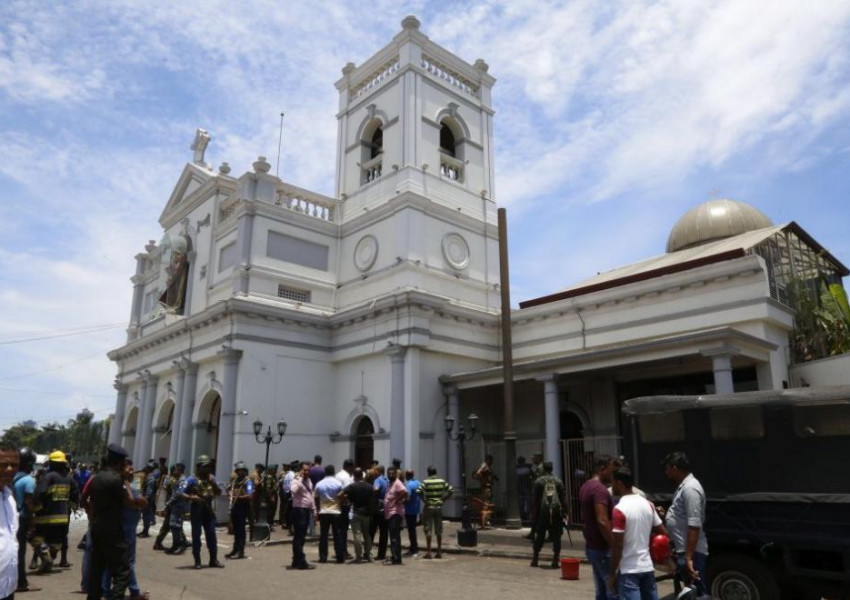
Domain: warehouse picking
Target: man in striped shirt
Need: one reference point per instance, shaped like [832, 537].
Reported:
[434, 492]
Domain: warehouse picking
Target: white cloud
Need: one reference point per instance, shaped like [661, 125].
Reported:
[617, 102]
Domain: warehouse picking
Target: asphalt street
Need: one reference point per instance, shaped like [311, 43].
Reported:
[263, 574]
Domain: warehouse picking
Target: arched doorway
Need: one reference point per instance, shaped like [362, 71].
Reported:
[571, 426]
[163, 430]
[206, 425]
[364, 445]
[128, 430]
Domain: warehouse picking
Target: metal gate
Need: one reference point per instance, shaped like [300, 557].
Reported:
[578, 456]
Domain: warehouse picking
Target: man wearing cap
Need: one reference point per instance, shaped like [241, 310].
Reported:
[200, 490]
[107, 497]
[177, 514]
[169, 486]
[241, 491]
[52, 512]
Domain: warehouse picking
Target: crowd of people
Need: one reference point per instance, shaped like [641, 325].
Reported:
[306, 498]
[626, 535]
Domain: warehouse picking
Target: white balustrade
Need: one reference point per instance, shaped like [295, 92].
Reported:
[451, 168]
[306, 206]
[371, 173]
[449, 76]
[376, 78]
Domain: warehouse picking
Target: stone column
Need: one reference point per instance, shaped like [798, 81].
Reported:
[453, 451]
[140, 419]
[412, 386]
[190, 283]
[115, 430]
[721, 364]
[553, 421]
[185, 442]
[176, 419]
[245, 239]
[227, 422]
[138, 289]
[397, 440]
[146, 417]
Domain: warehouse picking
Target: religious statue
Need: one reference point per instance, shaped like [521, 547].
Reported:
[175, 257]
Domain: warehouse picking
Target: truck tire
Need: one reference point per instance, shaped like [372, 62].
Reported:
[741, 577]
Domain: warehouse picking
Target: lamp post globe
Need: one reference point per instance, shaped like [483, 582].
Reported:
[262, 529]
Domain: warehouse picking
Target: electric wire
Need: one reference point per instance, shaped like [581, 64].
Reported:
[66, 334]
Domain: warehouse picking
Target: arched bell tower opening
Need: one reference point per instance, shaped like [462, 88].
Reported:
[372, 150]
[364, 444]
[447, 140]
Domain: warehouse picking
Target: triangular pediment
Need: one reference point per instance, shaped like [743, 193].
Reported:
[190, 181]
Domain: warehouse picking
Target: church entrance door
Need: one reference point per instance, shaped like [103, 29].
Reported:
[364, 445]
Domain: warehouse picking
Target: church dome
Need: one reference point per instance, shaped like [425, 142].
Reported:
[715, 220]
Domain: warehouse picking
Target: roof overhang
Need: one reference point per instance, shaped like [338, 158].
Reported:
[695, 343]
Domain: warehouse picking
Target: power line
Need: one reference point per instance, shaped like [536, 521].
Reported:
[97, 329]
[56, 368]
[55, 392]
[54, 330]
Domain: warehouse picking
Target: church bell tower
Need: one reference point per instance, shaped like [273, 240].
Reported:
[415, 117]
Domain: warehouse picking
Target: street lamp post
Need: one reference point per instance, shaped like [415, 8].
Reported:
[466, 536]
[262, 528]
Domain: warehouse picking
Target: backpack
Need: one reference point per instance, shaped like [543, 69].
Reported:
[550, 500]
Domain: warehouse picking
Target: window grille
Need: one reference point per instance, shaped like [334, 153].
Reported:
[293, 294]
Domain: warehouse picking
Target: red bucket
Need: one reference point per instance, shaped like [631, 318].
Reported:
[569, 568]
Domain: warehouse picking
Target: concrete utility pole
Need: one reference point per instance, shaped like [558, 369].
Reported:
[512, 519]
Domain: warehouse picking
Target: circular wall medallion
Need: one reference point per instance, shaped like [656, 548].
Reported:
[366, 252]
[456, 251]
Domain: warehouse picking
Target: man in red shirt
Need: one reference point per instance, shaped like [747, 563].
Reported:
[596, 505]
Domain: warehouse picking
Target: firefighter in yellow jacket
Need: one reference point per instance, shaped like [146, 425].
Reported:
[51, 502]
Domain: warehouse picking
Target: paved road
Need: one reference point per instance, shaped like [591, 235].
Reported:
[263, 574]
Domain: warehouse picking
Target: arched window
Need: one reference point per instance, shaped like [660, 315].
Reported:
[376, 145]
[447, 140]
[372, 150]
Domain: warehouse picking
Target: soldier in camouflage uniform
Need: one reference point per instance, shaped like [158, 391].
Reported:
[169, 488]
[200, 490]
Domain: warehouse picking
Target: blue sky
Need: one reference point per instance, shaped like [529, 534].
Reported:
[612, 119]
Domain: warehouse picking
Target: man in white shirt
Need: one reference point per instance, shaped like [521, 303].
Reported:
[346, 478]
[634, 520]
[8, 522]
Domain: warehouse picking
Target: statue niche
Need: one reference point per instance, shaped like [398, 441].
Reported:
[175, 249]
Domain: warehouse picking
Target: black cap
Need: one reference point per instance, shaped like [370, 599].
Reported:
[117, 450]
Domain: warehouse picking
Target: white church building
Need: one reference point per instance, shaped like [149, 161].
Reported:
[363, 319]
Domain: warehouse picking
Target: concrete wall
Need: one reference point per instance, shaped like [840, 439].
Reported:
[834, 370]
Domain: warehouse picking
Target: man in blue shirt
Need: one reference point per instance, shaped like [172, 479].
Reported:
[330, 515]
[24, 486]
[412, 508]
[381, 486]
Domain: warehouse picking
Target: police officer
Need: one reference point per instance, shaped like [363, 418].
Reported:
[241, 491]
[52, 512]
[178, 506]
[149, 480]
[169, 487]
[200, 490]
